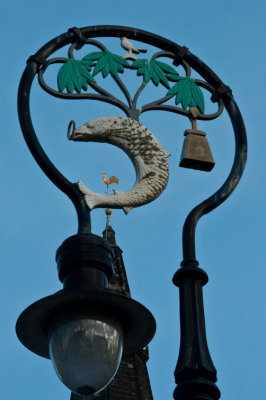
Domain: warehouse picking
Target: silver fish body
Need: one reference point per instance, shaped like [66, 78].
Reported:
[145, 152]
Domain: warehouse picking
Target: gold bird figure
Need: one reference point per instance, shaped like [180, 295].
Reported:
[110, 181]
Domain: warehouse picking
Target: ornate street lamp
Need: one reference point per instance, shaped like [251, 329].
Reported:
[85, 327]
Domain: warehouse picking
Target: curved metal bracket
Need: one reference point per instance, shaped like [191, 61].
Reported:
[165, 45]
[195, 373]
[225, 190]
[70, 189]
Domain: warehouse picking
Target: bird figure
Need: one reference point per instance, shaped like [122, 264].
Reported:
[127, 45]
[110, 181]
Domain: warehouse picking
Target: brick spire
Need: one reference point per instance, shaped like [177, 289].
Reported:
[132, 380]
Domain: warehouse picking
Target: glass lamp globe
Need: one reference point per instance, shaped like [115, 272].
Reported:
[86, 353]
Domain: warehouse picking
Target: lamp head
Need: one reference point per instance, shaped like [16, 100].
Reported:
[86, 352]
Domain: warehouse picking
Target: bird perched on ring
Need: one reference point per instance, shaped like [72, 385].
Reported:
[127, 45]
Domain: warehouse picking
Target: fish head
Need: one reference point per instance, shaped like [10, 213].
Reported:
[91, 131]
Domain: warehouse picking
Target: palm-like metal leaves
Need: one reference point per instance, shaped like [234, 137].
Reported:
[154, 70]
[74, 75]
[188, 94]
[107, 62]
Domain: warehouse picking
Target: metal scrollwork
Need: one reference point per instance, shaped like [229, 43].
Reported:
[185, 90]
[77, 75]
[195, 373]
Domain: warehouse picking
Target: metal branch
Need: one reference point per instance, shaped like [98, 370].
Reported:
[158, 105]
[177, 110]
[103, 92]
[142, 86]
[163, 107]
[103, 96]
[88, 41]
[169, 54]
[164, 54]
[187, 69]
[95, 86]
[124, 90]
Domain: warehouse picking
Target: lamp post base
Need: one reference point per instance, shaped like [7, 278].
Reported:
[197, 389]
[195, 374]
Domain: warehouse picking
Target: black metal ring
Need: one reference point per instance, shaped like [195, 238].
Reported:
[41, 61]
[179, 57]
[72, 124]
[79, 35]
[222, 91]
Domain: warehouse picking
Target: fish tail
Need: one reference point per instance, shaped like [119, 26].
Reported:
[127, 209]
[89, 195]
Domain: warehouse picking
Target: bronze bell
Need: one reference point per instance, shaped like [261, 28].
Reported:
[196, 152]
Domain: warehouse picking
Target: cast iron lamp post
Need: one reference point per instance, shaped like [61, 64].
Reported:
[86, 327]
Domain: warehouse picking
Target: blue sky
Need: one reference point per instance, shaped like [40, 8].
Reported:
[36, 217]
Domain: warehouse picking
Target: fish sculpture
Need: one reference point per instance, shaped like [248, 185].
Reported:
[143, 149]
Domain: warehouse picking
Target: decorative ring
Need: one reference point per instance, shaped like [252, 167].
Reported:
[72, 124]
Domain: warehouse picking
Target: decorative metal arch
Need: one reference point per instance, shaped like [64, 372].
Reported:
[195, 373]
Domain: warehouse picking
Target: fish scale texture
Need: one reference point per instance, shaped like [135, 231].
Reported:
[145, 152]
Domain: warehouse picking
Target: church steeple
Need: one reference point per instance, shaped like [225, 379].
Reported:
[132, 380]
[109, 233]
[119, 280]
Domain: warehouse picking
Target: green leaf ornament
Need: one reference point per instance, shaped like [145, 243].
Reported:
[188, 94]
[74, 75]
[155, 70]
[107, 63]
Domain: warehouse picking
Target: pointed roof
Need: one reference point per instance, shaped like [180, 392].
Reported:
[109, 233]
